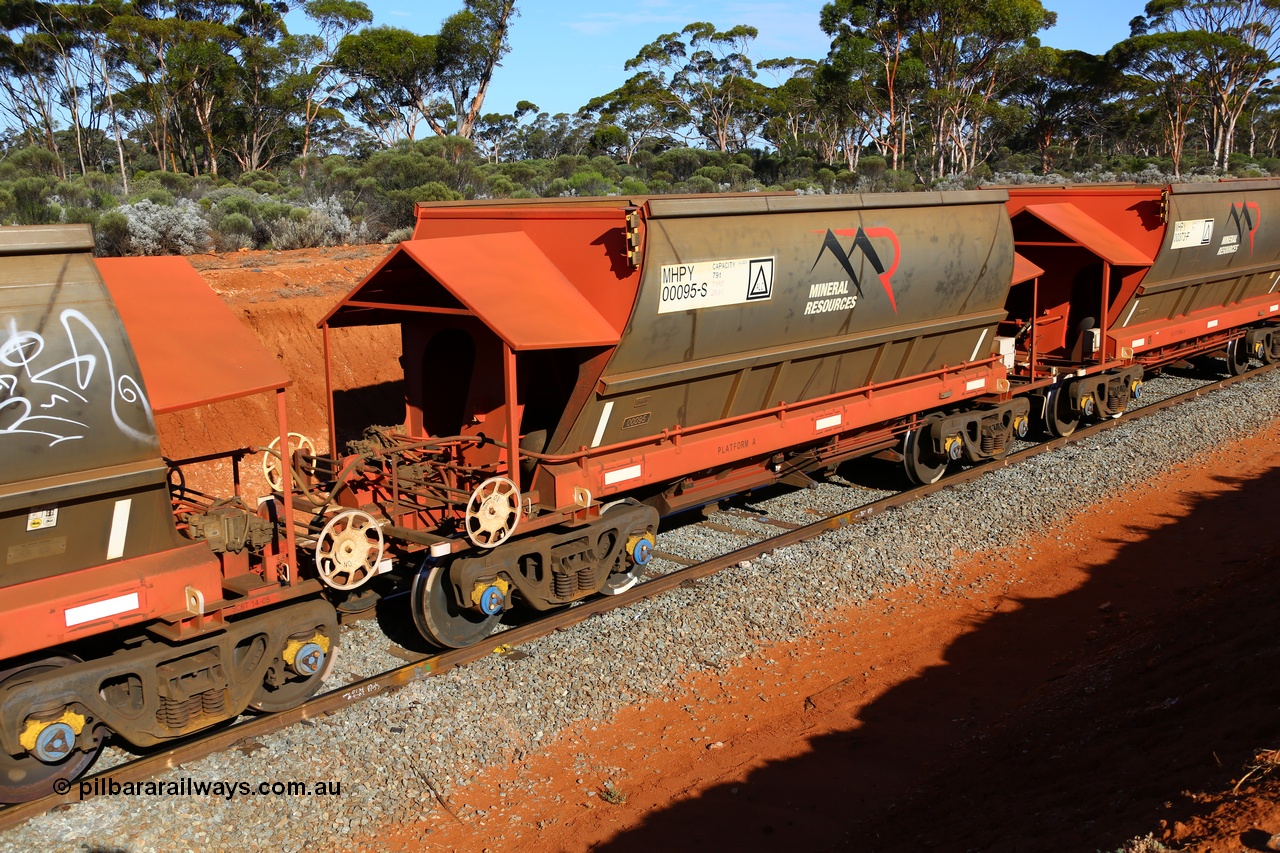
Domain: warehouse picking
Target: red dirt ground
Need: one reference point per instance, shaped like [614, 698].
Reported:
[1112, 684]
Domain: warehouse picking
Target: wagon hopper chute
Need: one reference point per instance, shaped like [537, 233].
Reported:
[576, 367]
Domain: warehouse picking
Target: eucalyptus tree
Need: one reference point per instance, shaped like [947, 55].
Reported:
[1166, 72]
[318, 83]
[705, 75]
[471, 44]
[1061, 90]
[1237, 47]
[394, 80]
[28, 75]
[871, 75]
[971, 53]
[636, 114]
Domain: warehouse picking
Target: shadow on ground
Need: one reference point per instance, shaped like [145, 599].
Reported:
[1066, 723]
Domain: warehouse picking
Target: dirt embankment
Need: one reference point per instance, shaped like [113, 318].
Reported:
[282, 296]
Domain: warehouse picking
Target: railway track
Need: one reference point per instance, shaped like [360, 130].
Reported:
[688, 572]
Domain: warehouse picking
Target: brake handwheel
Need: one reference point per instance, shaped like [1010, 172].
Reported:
[273, 466]
[493, 512]
[349, 549]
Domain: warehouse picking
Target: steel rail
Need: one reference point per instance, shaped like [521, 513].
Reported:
[328, 703]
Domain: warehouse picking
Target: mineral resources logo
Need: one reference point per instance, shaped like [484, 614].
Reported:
[827, 296]
[1247, 216]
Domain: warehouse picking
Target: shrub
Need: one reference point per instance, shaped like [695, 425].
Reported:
[399, 235]
[113, 233]
[236, 223]
[166, 230]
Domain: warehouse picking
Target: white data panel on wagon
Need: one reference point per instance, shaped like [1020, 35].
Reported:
[711, 284]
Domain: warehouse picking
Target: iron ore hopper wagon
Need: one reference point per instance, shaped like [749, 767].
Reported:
[574, 369]
[130, 603]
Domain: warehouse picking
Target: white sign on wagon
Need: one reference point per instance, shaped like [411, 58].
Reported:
[710, 284]
[1192, 232]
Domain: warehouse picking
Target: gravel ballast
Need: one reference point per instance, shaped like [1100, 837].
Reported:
[397, 755]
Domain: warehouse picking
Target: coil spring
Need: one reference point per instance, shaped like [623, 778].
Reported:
[1116, 399]
[175, 715]
[586, 578]
[562, 583]
[214, 702]
[993, 442]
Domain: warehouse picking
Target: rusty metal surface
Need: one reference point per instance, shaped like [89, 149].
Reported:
[1231, 258]
[83, 483]
[1082, 228]
[502, 278]
[1024, 270]
[73, 396]
[191, 348]
[348, 695]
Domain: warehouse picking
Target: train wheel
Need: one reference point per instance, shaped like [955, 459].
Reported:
[311, 663]
[438, 617]
[1060, 417]
[1271, 353]
[922, 464]
[26, 777]
[1237, 357]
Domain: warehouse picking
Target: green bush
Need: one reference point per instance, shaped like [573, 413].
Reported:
[82, 215]
[236, 223]
[112, 233]
[700, 184]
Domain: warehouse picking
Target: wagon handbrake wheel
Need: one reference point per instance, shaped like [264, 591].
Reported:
[273, 466]
[349, 549]
[493, 512]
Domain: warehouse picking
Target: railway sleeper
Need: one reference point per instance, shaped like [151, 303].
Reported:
[154, 692]
[552, 569]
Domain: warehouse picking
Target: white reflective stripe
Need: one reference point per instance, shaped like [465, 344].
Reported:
[827, 423]
[1139, 342]
[604, 422]
[1132, 308]
[1274, 308]
[101, 609]
[1213, 324]
[119, 528]
[978, 345]
[975, 384]
[631, 472]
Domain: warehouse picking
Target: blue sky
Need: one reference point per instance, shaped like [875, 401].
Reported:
[565, 52]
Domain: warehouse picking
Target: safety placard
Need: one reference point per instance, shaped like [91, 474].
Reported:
[1192, 232]
[42, 518]
[710, 284]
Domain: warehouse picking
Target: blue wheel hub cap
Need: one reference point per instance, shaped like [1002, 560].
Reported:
[642, 553]
[492, 600]
[309, 660]
[55, 742]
